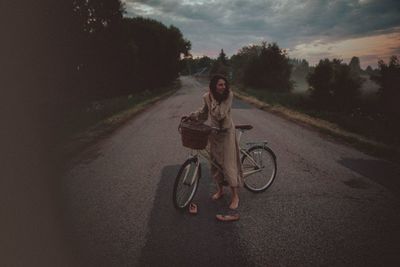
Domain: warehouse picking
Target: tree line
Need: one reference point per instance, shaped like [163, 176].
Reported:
[90, 51]
[332, 84]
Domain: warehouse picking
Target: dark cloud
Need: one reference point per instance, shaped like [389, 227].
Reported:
[230, 24]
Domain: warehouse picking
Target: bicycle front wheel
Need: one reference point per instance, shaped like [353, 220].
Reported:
[259, 168]
[186, 183]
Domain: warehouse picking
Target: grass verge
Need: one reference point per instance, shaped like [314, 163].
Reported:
[102, 118]
[273, 104]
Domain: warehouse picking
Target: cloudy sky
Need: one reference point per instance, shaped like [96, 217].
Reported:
[309, 29]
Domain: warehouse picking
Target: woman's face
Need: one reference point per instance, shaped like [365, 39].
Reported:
[221, 86]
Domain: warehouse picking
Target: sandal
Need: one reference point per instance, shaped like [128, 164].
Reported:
[192, 208]
[227, 217]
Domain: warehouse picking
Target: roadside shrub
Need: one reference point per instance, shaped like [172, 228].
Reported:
[263, 67]
[388, 78]
[332, 85]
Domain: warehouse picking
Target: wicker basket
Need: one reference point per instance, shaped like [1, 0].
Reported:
[194, 135]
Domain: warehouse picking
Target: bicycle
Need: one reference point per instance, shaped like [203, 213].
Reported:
[259, 165]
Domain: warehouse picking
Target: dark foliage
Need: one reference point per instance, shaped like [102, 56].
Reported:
[197, 66]
[242, 60]
[355, 65]
[265, 66]
[90, 52]
[154, 52]
[371, 72]
[221, 66]
[388, 78]
[334, 86]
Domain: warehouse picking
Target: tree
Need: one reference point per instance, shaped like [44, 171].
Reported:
[368, 69]
[388, 78]
[270, 69]
[197, 66]
[204, 63]
[221, 65]
[90, 52]
[333, 85]
[176, 49]
[320, 82]
[242, 59]
[156, 51]
[346, 86]
[222, 57]
[355, 65]
[99, 57]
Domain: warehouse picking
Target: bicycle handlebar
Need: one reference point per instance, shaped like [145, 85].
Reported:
[214, 129]
[219, 130]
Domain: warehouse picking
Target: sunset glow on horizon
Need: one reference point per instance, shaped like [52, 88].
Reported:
[369, 49]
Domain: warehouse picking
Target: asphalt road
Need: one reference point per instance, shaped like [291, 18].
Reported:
[330, 205]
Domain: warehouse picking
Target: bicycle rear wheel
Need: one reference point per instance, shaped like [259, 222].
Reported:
[186, 183]
[259, 170]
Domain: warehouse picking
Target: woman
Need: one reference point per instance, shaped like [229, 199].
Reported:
[223, 146]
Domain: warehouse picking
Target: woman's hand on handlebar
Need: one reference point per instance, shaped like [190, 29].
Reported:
[189, 117]
[213, 129]
[219, 130]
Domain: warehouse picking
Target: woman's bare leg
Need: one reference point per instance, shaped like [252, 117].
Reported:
[219, 193]
[220, 188]
[235, 198]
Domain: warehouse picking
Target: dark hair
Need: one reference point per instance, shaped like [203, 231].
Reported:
[213, 88]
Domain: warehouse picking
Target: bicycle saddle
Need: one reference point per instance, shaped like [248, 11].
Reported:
[244, 127]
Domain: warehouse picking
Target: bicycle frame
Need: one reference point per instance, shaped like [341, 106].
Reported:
[206, 155]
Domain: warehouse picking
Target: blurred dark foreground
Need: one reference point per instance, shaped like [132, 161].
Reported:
[31, 205]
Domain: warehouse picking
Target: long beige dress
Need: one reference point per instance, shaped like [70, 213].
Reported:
[223, 146]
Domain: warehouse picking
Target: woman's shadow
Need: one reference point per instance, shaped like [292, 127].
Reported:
[178, 238]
